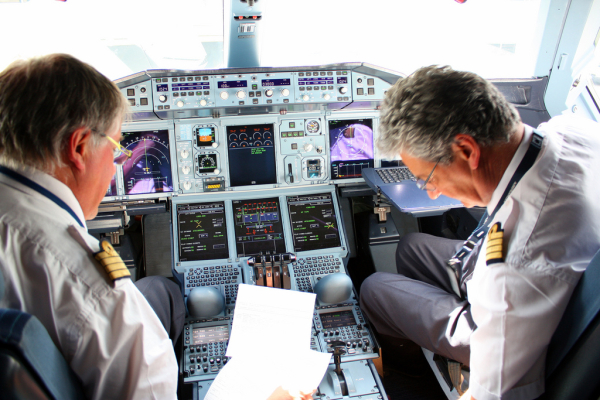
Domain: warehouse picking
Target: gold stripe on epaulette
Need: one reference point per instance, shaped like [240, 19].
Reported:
[494, 250]
[112, 262]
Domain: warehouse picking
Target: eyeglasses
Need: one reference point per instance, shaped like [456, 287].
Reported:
[425, 184]
[120, 153]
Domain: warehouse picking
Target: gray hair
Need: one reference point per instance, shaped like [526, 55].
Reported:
[44, 100]
[422, 114]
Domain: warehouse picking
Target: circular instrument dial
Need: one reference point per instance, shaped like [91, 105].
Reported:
[313, 126]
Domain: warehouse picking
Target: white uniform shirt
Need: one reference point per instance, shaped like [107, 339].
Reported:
[551, 232]
[107, 332]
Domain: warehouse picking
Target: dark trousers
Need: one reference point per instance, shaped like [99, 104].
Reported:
[166, 300]
[419, 303]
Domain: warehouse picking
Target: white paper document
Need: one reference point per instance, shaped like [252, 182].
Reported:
[269, 346]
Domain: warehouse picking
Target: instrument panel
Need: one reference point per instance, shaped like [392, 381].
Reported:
[248, 129]
[247, 162]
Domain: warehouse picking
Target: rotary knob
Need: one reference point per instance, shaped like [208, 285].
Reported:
[162, 98]
[327, 96]
[184, 153]
[308, 147]
[185, 169]
[224, 95]
[203, 103]
[180, 103]
[187, 185]
[241, 94]
[343, 90]
[285, 92]
[305, 97]
[269, 92]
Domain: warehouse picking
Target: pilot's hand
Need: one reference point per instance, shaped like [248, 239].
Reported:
[283, 394]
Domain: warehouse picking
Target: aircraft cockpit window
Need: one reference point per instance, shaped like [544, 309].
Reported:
[117, 37]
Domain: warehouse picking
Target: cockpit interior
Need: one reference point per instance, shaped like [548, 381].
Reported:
[253, 127]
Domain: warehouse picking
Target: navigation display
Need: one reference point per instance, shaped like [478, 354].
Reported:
[202, 231]
[258, 227]
[350, 147]
[149, 168]
[313, 220]
[251, 155]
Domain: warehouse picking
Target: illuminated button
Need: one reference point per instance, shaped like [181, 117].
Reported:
[144, 101]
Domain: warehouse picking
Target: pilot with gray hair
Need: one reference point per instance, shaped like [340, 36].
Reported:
[491, 303]
[60, 127]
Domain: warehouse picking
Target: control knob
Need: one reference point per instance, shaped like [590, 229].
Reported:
[343, 90]
[162, 98]
[224, 95]
[285, 92]
[184, 153]
[180, 103]
[187, 185]
[241, 94]
[203, 103]
[308, 147]
[185, 169]
[269, 92]
[305, 97]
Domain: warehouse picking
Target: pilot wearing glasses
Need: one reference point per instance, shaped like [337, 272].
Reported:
[493, 302]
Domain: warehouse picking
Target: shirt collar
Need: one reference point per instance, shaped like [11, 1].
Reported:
[511, 169]
[55, 186]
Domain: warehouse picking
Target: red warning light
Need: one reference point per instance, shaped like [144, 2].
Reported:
[461, 1]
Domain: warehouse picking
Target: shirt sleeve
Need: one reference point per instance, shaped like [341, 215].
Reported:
[123, 350]
[516, 310]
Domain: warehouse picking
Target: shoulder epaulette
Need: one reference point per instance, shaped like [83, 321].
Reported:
[112, 262]
[494, 251]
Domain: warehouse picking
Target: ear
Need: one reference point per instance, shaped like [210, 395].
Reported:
[467, 149]
[79, 147]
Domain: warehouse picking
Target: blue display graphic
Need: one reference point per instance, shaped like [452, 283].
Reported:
[258, 227]
[149, 168]
[276, 82]
[351, 147]
[231, 84]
